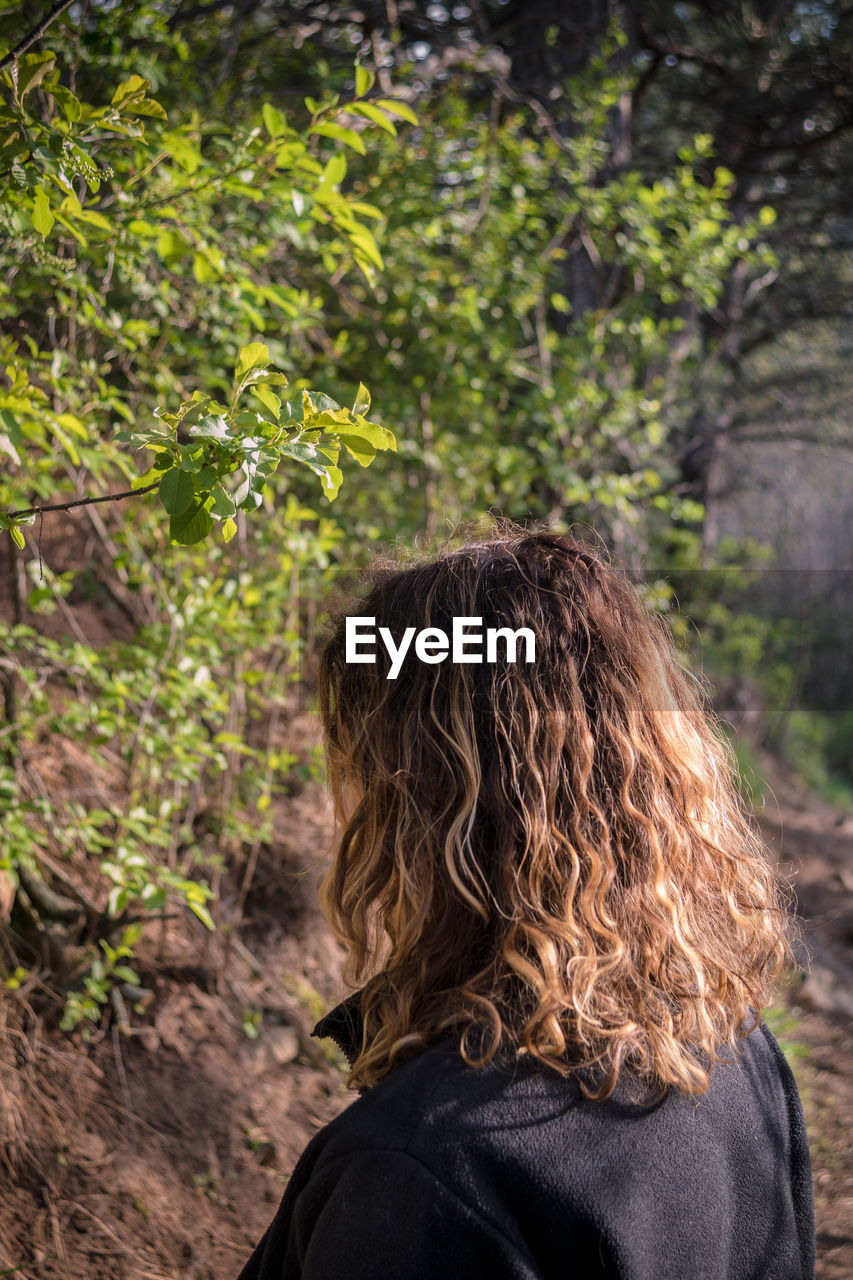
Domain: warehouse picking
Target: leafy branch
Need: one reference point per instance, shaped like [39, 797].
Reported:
[211, 459]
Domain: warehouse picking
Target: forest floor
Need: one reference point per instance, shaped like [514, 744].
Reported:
[162, 1155]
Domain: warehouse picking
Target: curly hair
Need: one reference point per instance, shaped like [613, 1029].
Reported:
[547, 857]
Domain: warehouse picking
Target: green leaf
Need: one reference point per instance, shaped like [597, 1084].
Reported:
[68, 104]
[212, 427]
[362, 400]
[176, 490]
[379, 438]
[311, 456]
[202, 270]
[366, 210]
[246, 495]
[332, 481]
[32, 69]
[190, 526]
[341, 133]
[73, 424]
[371, 112]
[94, 218]
[273, 119]
[171, 245]
[8, 448]
[268, 398]
[126, 974]
[138, 227]
[65, 440]
[17, 536]
[131, 90]
[43, 219]
[359, 449]
[252, 369]
[148, 477]
[364, 80]
[365, 241]
[223, 505]
[400, 109]
[149, 107]
[183, 150]
[316, 107]
[229, 528]
[335, 170]
[255, 356]
[200, 910]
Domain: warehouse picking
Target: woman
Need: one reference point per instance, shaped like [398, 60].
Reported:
[565, 929]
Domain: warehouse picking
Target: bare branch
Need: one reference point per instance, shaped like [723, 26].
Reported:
[80, 502]
[35, 34]
[667, 48]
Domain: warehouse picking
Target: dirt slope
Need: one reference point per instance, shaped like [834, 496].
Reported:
[814, 843]
[163, 1154]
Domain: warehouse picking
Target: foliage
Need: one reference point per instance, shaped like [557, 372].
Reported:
[128, 234]
[817, 745]
[229, 452]
[146, 242]
[508, 396]
[187, 720]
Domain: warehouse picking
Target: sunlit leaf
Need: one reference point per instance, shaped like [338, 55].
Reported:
[397, 108]
[268, 398]
[130, 90]
[273, 119]
[32, 69]
[43, 219]
[364, 80]
[341, 133]
[373, 113]
[255, 355]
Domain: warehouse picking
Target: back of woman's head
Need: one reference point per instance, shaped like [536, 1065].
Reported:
[548, 855]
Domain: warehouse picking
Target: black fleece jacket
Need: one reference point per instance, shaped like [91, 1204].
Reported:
[507, 1172]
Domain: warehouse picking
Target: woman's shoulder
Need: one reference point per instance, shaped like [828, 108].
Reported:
[528, 1154]
[436, 1097]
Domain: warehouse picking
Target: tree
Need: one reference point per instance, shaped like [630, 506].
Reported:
[149, 247]
[124, 230]
[769, 81]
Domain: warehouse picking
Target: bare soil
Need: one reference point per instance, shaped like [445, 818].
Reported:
[814, 843]
[162, 1154]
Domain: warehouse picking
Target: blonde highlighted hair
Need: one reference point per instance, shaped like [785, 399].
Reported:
[549, 857]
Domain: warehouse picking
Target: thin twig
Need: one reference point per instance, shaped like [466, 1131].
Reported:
[80, 502]
[122, 1075]
[35, 34]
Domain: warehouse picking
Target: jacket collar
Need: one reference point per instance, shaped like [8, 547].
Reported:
[343, 1025]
